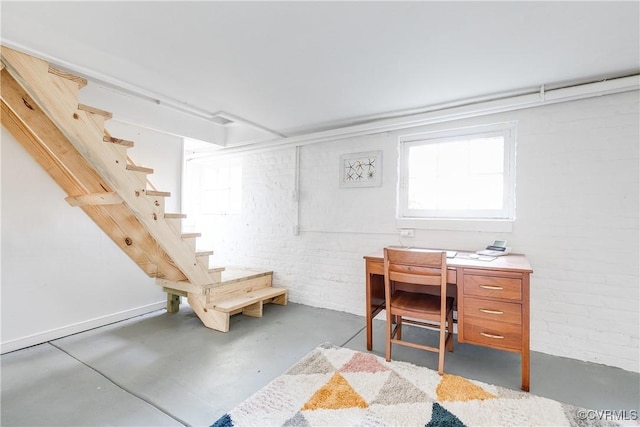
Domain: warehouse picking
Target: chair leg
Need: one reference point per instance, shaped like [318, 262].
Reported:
[441, 350]
[399, 328]
[450, 331]
[388, 341]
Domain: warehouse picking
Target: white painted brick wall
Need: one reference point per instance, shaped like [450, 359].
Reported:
[577, 221]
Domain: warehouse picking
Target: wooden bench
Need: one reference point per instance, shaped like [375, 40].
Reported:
[240, 290]
[251, 303]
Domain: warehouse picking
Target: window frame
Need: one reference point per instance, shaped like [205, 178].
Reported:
[466, 219]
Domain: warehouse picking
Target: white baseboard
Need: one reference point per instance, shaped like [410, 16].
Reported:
[42, 337]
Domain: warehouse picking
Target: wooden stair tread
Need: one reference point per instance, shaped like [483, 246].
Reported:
[248, 298]
[136, 168]
[158, 193]
[211, 270]
[237, 274]
[190, 235]
[107, 198]
[118, 141]
[94, 110]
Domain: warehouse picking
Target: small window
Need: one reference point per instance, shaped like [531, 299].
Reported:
[459, 174]
[211, 187]
[220, 191]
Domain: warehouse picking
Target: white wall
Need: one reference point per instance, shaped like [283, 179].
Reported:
[159, 151]
[60, 273]
[577, 221]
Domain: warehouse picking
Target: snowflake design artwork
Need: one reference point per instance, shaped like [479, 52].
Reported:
[360, 169]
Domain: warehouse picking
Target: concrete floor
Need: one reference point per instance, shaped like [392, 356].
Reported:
[168, 370]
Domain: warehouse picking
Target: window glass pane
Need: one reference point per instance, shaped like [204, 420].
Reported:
[221, 190]
[235, 201]
[453, 158]
[486, 155]
[456, 177]
[223, 178]
[486, 192]
[452, 192]
[423, 175]
[208, 201]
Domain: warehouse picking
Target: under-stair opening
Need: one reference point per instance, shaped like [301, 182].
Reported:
[69, 140]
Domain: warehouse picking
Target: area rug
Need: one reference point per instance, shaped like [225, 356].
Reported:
[334, 386]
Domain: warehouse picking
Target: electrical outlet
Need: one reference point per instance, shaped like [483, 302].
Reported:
[407, 232]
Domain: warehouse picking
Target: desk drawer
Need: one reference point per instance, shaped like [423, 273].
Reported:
[493, 287]
[489, 333]
[499, 311]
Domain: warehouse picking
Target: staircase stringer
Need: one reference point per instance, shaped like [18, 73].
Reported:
[57, 97]
[30, 126]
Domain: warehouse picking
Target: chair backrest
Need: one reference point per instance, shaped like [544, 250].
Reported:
[416, 266]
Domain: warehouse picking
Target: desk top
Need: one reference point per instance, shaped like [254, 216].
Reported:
[513, 262]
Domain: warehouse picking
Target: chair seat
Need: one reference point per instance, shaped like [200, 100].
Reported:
[421, 304]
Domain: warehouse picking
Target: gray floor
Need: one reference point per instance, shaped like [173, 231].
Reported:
[168, 370]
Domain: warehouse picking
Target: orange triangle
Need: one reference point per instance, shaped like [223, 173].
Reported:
[335, 394]
[453, 388]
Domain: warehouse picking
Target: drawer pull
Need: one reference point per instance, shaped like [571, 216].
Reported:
[493, 288]
[484, 310]
[497, 337]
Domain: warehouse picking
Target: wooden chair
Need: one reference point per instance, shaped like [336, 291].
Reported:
[408, 274]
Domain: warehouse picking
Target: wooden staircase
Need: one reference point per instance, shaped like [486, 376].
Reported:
[40, 108]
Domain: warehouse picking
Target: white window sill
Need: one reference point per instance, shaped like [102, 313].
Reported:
[488, 225]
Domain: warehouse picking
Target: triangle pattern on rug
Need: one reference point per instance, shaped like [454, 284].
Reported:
[316, 363]
[406, 394]
[441, 417]
[298, 420]
[223, 421]
[398, 390]
[453, 388]
[361, 362]
[337, 393]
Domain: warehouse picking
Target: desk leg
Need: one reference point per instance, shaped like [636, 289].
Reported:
[525, 371]
[526, 364]
[368, 313]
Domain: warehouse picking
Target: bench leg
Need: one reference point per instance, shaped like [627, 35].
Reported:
[280, 299]
[173, 303]
[253, 310]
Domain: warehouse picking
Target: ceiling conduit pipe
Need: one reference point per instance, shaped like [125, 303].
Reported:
[540, 97]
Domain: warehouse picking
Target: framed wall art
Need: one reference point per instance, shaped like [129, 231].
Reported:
[361, 169]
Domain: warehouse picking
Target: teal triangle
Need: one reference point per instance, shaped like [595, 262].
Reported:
[224, 421]
[440, 417]
[314, 363]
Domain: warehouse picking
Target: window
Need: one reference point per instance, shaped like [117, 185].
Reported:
[211, 187]
[458, 174]
[221, 189]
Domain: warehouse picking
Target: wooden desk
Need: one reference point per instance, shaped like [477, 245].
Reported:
[492, 299]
